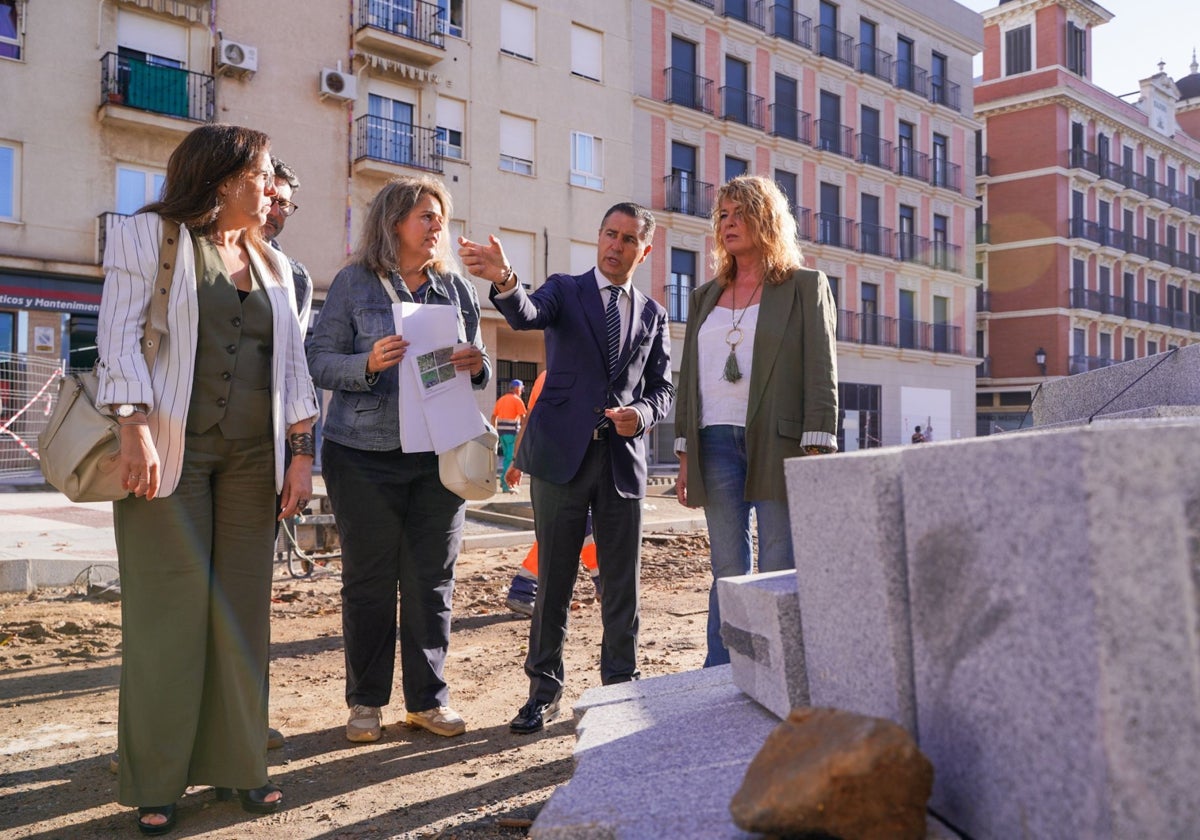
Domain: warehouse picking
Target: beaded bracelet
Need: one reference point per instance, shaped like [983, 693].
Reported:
[303, 443]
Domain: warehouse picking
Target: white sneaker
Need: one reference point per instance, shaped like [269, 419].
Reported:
[440, 721]
[365, 724]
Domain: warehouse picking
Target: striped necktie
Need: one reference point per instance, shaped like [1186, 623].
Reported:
[612, 321]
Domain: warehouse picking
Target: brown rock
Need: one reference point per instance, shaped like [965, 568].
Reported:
[828, 771]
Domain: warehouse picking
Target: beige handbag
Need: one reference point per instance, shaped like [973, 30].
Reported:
[80, 448]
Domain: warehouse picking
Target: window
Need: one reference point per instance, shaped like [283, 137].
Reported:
[737, 85]
[1130, 348]
[684, 193]
[870, 313]
[829, 227]
[1078, 274]
[787, 116]
[389, 129]
[10, 194]
[829, 133]
[587, 161]
[941, 324]
[1076, 49]
[940, 173]
[519, 248]
[586, 52]
[735, 167]
[827, 30]
[867, 38]
[137, 187]
[907, 236]
[12, 28]
[941, 247]
[869, 142]
[1018, 50]
[905, 159]
[451, 119]
[870, 234]
[1151, 348]
[683, 280]
[787, 183]
[516, 144]
[685, 87]
[517, 30]
[907, 320]
[905, 52]
[937, 80]
[452, 16]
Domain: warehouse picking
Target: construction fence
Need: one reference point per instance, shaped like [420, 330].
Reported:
[28, 389]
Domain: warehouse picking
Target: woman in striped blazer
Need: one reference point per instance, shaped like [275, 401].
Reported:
[202, 439]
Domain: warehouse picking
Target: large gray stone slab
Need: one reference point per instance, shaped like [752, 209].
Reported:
[1054, 589]
[760, 625]
[684, 681]
[1168, 379]
[852, 582]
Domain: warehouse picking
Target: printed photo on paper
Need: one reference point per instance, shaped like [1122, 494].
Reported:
[436, 370]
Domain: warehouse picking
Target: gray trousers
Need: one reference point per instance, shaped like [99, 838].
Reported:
[196, 572]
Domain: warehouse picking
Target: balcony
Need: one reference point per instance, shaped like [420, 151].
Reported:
[875, 62]
[983, 165]
[413, 30]
[882, 331]
[874, 150]
[147, 94]
[790, 123]
[837, 231]
[944, 257]
[836, 45]
[945, 92]
[382, 145]
[912, 78]
[105, 223]
[911, 163]
[747, 11]
[677, 302]
[791, 26]
[833, 137]
[1082, 364]
[984, 369]
[742, 106]
[684, 194]
[873, 239]
[689, 90]
[803, 217]
[983, 300]
[983, 234]
[708, 4]
[911, 248]
[945, 174]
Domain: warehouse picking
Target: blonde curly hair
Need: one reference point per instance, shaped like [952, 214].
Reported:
[770, 223]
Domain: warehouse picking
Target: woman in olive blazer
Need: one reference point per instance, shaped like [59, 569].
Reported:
[757, 383]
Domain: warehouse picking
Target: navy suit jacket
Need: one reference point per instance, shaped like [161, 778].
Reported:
[569, 311]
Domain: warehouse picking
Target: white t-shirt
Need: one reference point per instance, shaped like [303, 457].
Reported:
[723, 403]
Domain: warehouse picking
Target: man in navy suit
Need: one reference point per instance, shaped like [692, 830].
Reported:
[584, 443]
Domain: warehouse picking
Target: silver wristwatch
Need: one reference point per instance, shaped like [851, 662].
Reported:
[128, 410]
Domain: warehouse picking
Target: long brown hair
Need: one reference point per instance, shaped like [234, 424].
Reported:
[208, 157]
[770, 223]
[377, 245]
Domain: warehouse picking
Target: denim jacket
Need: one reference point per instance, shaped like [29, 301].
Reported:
[364, 413]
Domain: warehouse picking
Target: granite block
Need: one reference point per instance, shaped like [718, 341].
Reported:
[1056, 656]
[684, 681]
[851, 580]
[1171, 378]
[760, 624]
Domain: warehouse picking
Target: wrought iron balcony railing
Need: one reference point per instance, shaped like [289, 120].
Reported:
[835, 230]
[836, 45]
[875, 62]
[395, 142]
[911, 163]
[156, 88]
[833, 137]
[741, 106]
[874, 150]
[415, 19]
[689, 90]
[983, 300]
[105, 223]
[677, 302]
[873, 239]
[983, 234]
[945, 92]
[790, 123]
[747, 11]
[910, 77]
[791, 26]
[943, 173]
[684, 194]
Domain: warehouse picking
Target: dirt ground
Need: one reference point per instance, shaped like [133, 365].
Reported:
[60, 668]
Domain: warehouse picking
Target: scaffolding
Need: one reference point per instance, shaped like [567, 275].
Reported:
[28, 389]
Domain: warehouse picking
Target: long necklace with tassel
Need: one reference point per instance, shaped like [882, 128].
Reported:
[732, 372]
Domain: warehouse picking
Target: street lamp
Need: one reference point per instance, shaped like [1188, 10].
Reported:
[1040, 358]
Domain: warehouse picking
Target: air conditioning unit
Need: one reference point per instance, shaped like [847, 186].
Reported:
[338, 84]
[235, 56]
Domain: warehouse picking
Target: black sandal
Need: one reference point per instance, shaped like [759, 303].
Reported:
[152, 830]
[254, 801]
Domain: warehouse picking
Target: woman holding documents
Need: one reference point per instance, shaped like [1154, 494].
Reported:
[400, 529]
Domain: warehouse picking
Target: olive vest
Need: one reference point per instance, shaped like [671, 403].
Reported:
[232, 387]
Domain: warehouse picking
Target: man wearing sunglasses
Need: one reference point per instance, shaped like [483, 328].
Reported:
[282, 206]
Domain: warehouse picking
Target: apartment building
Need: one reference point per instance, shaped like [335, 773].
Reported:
[1089, 208]
[862, 112]
[522, 109]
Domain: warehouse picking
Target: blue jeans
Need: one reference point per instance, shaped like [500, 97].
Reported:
[723, 470]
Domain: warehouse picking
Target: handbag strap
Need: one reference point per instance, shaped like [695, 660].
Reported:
[387, 287]
[156, 324]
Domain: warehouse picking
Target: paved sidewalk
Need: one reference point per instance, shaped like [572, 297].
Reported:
[47, 541]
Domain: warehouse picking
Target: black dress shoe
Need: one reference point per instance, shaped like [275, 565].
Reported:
[533, 717]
